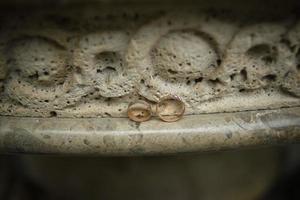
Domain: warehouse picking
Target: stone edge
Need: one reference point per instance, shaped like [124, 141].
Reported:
[120, 136]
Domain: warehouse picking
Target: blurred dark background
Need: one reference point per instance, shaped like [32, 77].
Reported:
[263, 173]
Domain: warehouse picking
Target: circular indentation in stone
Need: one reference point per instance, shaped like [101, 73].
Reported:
[38, 60]
[183, 54]
[139, 111]
[263, 52]
[100, 57]
[41, 75]
[170, 108]
[256, 58]
[179, 53]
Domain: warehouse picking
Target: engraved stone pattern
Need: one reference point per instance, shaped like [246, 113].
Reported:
[93, 65]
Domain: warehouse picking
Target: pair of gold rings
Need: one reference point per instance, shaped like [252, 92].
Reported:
[170, 108]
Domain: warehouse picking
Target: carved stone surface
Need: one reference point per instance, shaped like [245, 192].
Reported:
[93, 64]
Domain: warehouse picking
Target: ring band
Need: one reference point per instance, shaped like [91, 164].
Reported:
[139, 111]
[170, 108]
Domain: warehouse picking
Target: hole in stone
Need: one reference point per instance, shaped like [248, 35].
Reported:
[260, 49]
[232, 77]
[265, 52]
[198, 80]
[270, 77]
[109, 69]
[244, 74]
[215, 81]
[110, 73]
[298, 60]
[107, 56]
[53, 114]
[109, 64]
[34, 76]
[107, 114]
[1, 90]
[46, 73]
[172, 71]
[107, 99]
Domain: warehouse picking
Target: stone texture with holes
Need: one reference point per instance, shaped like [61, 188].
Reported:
[66, 64]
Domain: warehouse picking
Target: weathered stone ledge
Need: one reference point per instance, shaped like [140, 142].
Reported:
[120, 136]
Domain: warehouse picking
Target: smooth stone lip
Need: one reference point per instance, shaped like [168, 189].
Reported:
[122, 137]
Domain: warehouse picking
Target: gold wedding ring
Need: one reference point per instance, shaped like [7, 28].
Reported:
[139, 111]
[170, 108]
